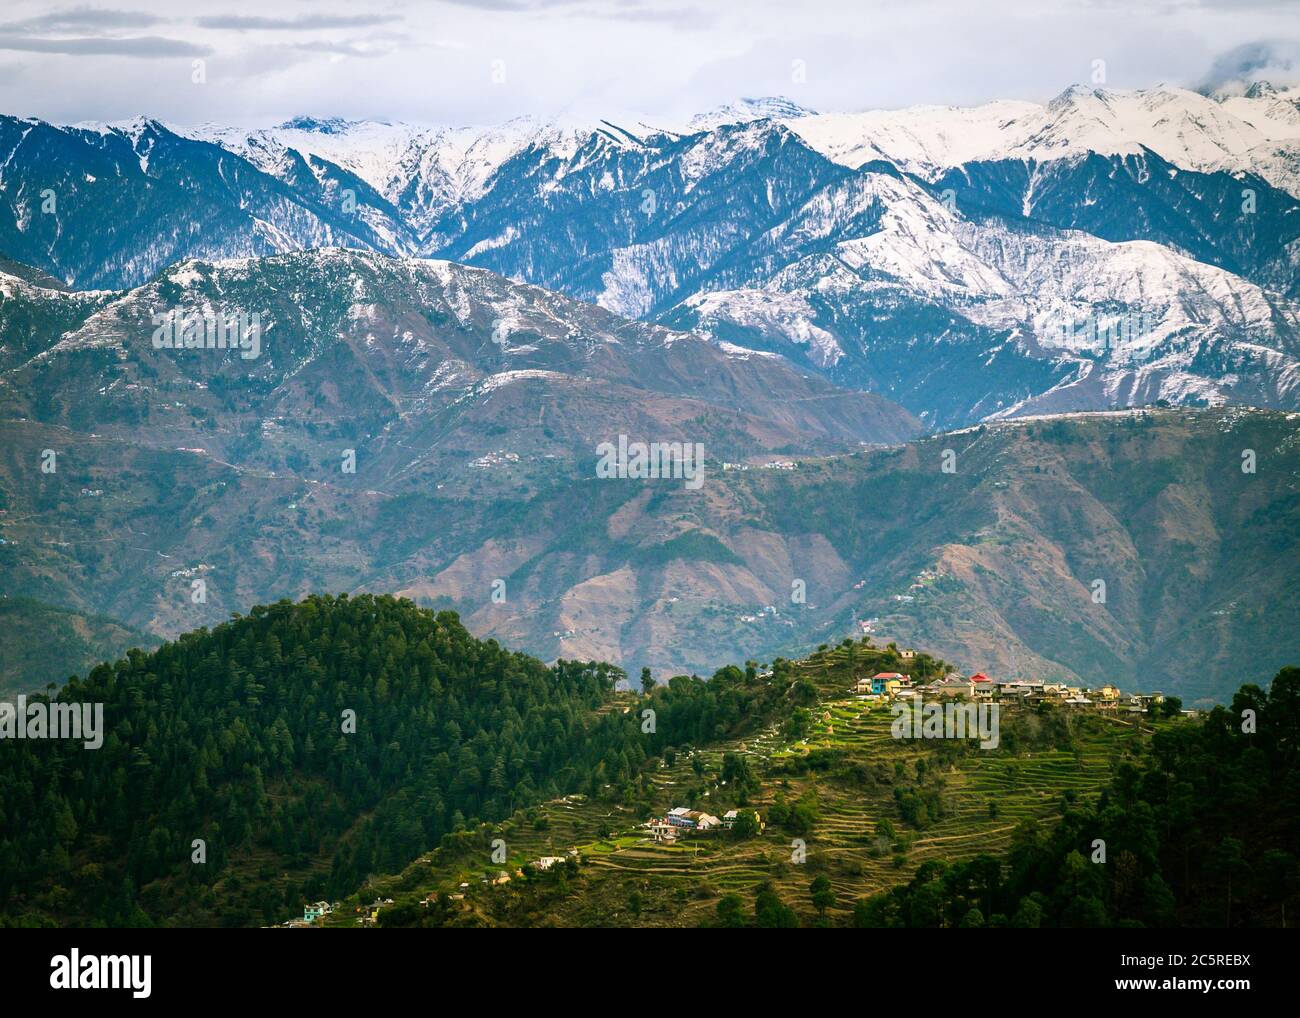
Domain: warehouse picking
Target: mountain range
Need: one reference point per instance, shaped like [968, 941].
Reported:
[1105, 249]
[450, 323]
[394, 436]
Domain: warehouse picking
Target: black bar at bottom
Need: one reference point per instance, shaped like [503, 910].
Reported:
[286, 966]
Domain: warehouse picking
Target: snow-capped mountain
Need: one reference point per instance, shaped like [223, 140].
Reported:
[803, 284]
[101, 206]
[957, 318]
[414, 350]
[421, 171]
[746, 109]
[635, 224]
[1257, 132]
[1103, 249]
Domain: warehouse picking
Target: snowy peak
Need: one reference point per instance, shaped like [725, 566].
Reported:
[1258, 131]
[316, 125]
[747, 109]
[1184, 127]
[960, 260]
[919, 139]
[1275, 113]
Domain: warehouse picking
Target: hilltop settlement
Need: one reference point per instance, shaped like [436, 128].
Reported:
[1023, 692]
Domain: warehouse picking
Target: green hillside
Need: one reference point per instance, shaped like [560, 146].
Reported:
[307, 746]
[879, 818]
[1202, 831]
[465, 764]
[45, 644]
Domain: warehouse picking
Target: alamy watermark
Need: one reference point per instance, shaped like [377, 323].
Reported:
[75, 971]
[199, 330]
[652, 460]
[951, 720]
[82, 722]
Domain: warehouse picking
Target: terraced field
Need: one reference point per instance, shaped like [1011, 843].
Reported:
[626, 878]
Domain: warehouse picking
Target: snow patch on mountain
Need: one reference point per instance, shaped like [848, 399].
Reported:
[1259, 131]
[919, 139]
[1136, 320]
[745, 109]
[767, 311]
[502, 378]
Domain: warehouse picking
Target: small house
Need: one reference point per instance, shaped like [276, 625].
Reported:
[953, 685]
[730, 817]
[1023, 689]
[312, 912]
[887, 683]
[692, 819]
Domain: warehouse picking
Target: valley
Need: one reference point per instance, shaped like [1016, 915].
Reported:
[994, 565]
[566, 491]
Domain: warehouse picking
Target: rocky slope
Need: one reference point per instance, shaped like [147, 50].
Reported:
[994, 565]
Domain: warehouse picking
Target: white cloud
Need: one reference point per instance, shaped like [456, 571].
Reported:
[435, 62]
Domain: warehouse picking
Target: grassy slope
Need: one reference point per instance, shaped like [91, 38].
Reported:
[680, 885]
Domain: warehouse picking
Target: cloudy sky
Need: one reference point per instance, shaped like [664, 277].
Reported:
[482, 61]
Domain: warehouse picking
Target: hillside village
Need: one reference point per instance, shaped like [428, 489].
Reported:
[1024, 692]
[681, 820]
[697, 835]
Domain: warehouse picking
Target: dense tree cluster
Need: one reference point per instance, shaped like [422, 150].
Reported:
[307, 746]
[244, 737]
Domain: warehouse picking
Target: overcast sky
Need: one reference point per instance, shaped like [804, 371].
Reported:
[483, 61]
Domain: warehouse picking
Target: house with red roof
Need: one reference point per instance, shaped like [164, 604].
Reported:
[887, 682]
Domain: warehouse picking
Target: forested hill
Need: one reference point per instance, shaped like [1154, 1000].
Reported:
[242, 737]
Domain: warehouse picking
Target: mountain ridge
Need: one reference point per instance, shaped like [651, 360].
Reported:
[653, 222]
